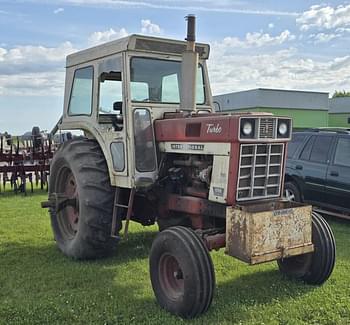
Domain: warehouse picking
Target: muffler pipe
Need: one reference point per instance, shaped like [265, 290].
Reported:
[189, 68]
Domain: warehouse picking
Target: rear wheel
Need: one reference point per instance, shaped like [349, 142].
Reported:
[314, 268]
[182, 272]
[79, 173]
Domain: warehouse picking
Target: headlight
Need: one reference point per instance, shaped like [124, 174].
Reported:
[247, 128]
[283, 129]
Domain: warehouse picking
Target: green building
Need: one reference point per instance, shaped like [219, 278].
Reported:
[339, 112]
[307, 108]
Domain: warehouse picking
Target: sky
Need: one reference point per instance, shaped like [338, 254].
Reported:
[297, 44]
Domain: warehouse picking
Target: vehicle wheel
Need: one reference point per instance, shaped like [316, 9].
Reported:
[291, 192]
[316, 267]
[79, 171]
[182, 272]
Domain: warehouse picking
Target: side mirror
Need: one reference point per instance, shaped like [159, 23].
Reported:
[117, 106]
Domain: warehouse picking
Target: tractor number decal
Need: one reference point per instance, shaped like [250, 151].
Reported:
[180, 146]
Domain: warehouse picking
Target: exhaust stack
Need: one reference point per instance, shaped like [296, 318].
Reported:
[189, 68]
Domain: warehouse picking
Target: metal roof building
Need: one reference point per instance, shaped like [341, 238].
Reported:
[307, 108]
[339, 112]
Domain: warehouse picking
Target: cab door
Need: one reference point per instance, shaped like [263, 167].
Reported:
[338, 176]
[111, 116]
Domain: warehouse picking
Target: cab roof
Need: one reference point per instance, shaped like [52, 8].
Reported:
[135, 43]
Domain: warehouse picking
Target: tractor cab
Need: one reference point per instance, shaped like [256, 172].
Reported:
[115, 91]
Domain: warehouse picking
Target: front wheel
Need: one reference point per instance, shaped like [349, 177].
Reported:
[182, 272]
[313, 268]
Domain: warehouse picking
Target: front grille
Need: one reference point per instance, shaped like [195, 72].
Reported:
[267, 128]
[260, 171]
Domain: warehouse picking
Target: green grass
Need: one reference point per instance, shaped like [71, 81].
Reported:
[38, 285]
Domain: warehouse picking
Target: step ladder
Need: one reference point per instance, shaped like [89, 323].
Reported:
[116, 207]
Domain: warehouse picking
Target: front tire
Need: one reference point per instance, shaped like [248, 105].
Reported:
[314, 268]
[182, 272]
[79, 171]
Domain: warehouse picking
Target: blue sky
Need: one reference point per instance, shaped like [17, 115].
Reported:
[274, 44]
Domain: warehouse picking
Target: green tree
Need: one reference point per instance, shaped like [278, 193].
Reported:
[341, 93]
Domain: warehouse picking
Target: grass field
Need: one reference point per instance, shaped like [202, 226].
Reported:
[38, 285]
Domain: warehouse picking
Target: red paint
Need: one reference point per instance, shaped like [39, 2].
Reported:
[197, 221]
[233, 174]
[213, 128]
[193, 206]
[187, 204]
[215, 241]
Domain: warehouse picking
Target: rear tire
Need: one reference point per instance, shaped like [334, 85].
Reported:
[79, 171]
[314, 268]
[182, 272]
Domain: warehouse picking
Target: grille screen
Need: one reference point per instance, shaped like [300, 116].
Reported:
[260, 169]
[267, 128]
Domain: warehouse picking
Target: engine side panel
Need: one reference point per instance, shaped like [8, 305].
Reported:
[214, 128]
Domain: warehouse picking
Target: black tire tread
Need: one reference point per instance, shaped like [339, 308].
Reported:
[320, 274]
[202, 266]
[323, 258]
[204, 300]
[88, 162]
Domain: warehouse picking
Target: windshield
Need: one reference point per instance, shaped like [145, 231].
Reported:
[158, 81]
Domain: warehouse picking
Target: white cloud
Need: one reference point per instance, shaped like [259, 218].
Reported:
[33, 84]
[34, 70]
[233, 69]
[323, 37]
[28, 57]
[58, 10]
[342, 30]
[147, 27]
[106, 36]
[235, 64]
[324, 17]
[96, 38]
[259, 39]
[271, 25]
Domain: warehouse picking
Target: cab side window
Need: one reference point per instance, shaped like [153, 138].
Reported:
[144, 141]
[110, 107]
[80, 102]
[110, 93]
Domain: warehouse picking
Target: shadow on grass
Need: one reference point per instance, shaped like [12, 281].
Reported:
[235, 299]
[137, 246]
